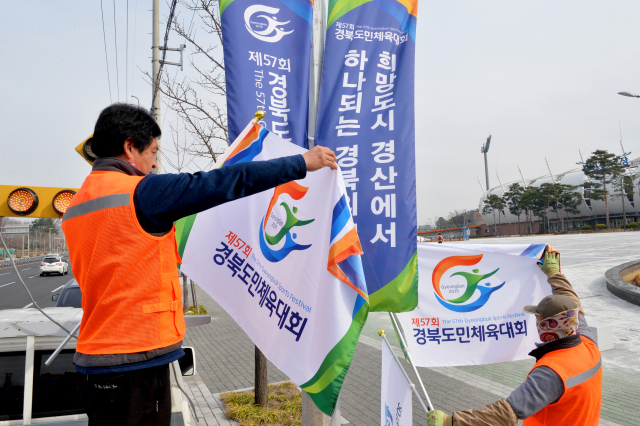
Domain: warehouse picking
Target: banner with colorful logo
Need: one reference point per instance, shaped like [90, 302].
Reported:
[267, 48]
[285, 264]
[395, 403]
[366, 115]
[471, 299]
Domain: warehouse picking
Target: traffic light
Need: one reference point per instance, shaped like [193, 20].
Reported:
[34, 201]
[84, 149]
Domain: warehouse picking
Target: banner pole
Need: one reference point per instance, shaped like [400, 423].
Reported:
[405, 350]
[318, 33]
[406, 376]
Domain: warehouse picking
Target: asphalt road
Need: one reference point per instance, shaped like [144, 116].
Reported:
[13, 294]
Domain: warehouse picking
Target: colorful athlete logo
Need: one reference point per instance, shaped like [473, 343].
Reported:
[271, 246]
[388, 418]
[459, 304]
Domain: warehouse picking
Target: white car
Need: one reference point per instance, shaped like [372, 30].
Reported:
[52, 265]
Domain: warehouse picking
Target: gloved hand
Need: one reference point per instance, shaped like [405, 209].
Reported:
[551, 264]
[439, 418]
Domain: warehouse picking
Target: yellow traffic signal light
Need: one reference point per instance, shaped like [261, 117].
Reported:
[34, 201]
[22, 201]
[62, 200]
[84, 149]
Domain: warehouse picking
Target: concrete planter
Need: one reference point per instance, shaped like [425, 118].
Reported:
[617, 281]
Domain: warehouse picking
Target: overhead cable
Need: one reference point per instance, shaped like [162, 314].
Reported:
[126, 60]
[115, 40]
[104, 37]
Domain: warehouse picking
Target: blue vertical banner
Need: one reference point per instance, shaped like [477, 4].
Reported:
[267, 46]
[366, 115]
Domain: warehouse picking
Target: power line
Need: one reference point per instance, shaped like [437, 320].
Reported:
[135, 29]
[126, 61]
[104, 37]
[115, 41]
[164, 52]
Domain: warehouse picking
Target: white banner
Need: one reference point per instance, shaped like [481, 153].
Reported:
[395, 404]
[470, 304]
[285, 264]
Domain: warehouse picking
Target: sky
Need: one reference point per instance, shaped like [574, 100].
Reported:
[541, 77]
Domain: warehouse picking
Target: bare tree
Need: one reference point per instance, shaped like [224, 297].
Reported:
[199, 98]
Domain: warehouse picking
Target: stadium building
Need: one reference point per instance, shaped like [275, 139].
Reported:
[591, 212]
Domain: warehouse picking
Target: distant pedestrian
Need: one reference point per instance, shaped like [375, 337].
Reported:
[440, 239]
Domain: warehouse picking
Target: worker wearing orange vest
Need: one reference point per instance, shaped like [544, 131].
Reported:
[119, 228]
[565, 385]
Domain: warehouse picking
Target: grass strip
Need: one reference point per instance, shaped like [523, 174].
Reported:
[284, 406]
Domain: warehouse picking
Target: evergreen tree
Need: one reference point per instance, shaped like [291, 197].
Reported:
[603, 168]
[513, 197]
[494, 203]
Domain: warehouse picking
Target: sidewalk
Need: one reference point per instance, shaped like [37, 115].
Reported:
[226, 355]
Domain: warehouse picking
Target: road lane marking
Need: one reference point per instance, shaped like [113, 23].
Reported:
[26, 269]
[28, 305]
[4, 285]
[33, 276]
[7, 273]
[54, 290]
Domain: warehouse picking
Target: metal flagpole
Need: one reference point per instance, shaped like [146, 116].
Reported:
[318, 33]
[406, 376]
[407, 354]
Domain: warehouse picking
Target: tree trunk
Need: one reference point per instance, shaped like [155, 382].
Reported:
[606, 200]
[261, 390]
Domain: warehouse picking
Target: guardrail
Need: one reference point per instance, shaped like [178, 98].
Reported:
[23, 261]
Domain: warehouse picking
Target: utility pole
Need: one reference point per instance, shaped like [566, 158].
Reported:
[484, 150]
[155, 73]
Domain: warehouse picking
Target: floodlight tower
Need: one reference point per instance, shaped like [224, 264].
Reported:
[484, 150]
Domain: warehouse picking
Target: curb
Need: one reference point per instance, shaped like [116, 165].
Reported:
[621, 288]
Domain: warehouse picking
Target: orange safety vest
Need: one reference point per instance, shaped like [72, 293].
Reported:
[131, 295]
[580, 368]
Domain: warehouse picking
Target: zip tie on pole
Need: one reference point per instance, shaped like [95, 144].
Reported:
[29, 293]
[407, 354]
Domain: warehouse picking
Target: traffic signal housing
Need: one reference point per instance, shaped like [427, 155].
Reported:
[84, 149]
[34, 201]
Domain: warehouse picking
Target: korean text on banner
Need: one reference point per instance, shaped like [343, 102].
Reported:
[285, 264]
[471, 299]
[395, 403]
[266, 57]
[366, 115]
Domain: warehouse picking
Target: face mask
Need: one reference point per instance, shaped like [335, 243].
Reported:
[559, 326]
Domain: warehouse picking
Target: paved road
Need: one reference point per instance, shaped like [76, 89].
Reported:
[13, 295]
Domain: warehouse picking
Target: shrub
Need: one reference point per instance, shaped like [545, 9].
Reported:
[192, 310]
[601, 226]
[633, 225]
[585, 227]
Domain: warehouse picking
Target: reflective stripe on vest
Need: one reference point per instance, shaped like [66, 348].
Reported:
[100, 203]
[583, 377]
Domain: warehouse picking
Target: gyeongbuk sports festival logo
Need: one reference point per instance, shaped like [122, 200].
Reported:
[267, 28]
[274, 228]
[466, 298]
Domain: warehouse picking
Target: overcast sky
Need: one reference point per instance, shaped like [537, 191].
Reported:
[541, 77]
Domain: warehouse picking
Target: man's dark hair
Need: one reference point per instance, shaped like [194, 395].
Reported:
[119, 122]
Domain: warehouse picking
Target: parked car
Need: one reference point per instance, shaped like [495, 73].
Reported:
[70, 297]
[52, 265]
